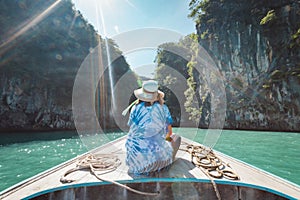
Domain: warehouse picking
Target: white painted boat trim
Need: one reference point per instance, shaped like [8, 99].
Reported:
[147, 180]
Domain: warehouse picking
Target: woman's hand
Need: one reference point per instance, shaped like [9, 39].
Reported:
[168, 138]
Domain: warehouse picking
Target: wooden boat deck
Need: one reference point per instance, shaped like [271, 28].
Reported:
[181, 168]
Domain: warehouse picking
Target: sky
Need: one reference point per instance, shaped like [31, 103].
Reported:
[113, 17]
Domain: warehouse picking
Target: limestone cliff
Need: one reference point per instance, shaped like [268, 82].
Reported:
[39, 62]
[256, 46]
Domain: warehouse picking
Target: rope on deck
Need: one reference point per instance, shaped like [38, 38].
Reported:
[210, 164]
[105, 163]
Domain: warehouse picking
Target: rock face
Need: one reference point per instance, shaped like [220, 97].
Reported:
[38, 67]
[256, 46]
[36, 108]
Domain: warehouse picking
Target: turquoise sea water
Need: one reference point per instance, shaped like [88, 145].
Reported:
[275, 152]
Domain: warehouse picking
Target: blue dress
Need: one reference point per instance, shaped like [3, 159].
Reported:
[147, 149]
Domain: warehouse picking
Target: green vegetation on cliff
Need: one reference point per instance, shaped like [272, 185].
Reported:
[255, 46]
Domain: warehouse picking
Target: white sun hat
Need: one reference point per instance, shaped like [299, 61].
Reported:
[149, 91]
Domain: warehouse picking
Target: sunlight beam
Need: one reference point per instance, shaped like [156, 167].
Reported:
[27, 25]
[108, 55]
[131, 4]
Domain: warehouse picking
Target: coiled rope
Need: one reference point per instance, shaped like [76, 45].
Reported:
[104, 163]
[205, 158]
[210, 164]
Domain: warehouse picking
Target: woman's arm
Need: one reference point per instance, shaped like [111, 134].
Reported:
[168, 136]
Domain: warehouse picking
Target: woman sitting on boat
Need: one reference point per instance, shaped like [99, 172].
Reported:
[150, 145]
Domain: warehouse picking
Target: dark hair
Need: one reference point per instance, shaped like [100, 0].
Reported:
[146, 103]
[160, 100]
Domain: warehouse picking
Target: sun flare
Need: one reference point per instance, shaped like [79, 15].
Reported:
[27, 25]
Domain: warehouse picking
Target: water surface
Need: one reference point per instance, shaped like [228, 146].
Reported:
[275, 152]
